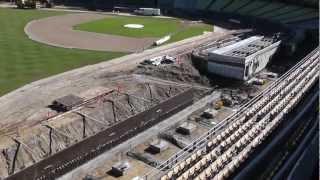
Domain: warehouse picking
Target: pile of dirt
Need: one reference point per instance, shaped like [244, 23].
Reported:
[181, 71]
[236, 97]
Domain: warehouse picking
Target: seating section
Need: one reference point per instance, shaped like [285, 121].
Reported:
[219, 4]
[314, 15]
[203, 4]
[268, 8]
[298, 13]
[265, 9]
[253, 6]
[236, 5]
[281, 11]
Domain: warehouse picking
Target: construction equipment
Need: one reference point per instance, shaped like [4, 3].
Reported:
[26, 3]
[21, 4]
[46, 3]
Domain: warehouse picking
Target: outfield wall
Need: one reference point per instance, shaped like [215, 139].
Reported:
[107, 4]
[190, 5]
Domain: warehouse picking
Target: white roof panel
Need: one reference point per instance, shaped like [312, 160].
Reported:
[236, 45]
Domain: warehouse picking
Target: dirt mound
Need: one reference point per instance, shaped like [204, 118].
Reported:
[181, 71]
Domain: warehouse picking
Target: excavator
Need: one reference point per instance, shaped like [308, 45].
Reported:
[21, 4]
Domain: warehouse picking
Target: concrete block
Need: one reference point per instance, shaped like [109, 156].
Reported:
[186, 128]
[209, 113]
[120, 168]
[158, 146]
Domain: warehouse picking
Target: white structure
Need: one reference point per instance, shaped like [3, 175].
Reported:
[186, 128]
[134, 26]
[243, 59]
[158, 146]
[148, 11]
[162, 40]
[156, 61]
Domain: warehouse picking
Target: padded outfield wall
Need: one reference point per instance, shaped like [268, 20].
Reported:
[107, 4]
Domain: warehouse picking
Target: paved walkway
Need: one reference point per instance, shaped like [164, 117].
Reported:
[58, 31]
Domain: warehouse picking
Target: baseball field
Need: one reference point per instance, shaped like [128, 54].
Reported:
[23, 60]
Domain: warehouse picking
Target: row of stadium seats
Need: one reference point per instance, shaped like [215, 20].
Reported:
[203, 4]
[271, 10]
[251, 7]
[286, 10]
[236, 5]
[303, 17]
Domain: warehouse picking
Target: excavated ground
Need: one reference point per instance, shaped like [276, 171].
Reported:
[146, 85]
[135, 91]
[133, 94]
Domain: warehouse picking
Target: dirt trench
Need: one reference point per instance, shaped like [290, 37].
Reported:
[68, 130]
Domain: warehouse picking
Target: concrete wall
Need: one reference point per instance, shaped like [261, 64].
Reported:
[258, 61]
[225, 58]
[225, 70]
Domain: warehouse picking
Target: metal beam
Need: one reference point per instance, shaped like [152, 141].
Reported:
[28, 148]
[56, 130]
[90, 117]
[113, 109]
[13, 166]
[128, 94]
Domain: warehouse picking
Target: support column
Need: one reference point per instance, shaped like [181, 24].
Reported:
[50, 141]
[15, 156]
[83, 126]
[129, 102]
[114, 110]
[150, 91]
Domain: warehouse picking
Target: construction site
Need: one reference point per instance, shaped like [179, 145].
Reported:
[80, 127]
[215, 106]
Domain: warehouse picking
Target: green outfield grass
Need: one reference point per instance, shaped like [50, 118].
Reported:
[23, 61]
[153, 27]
